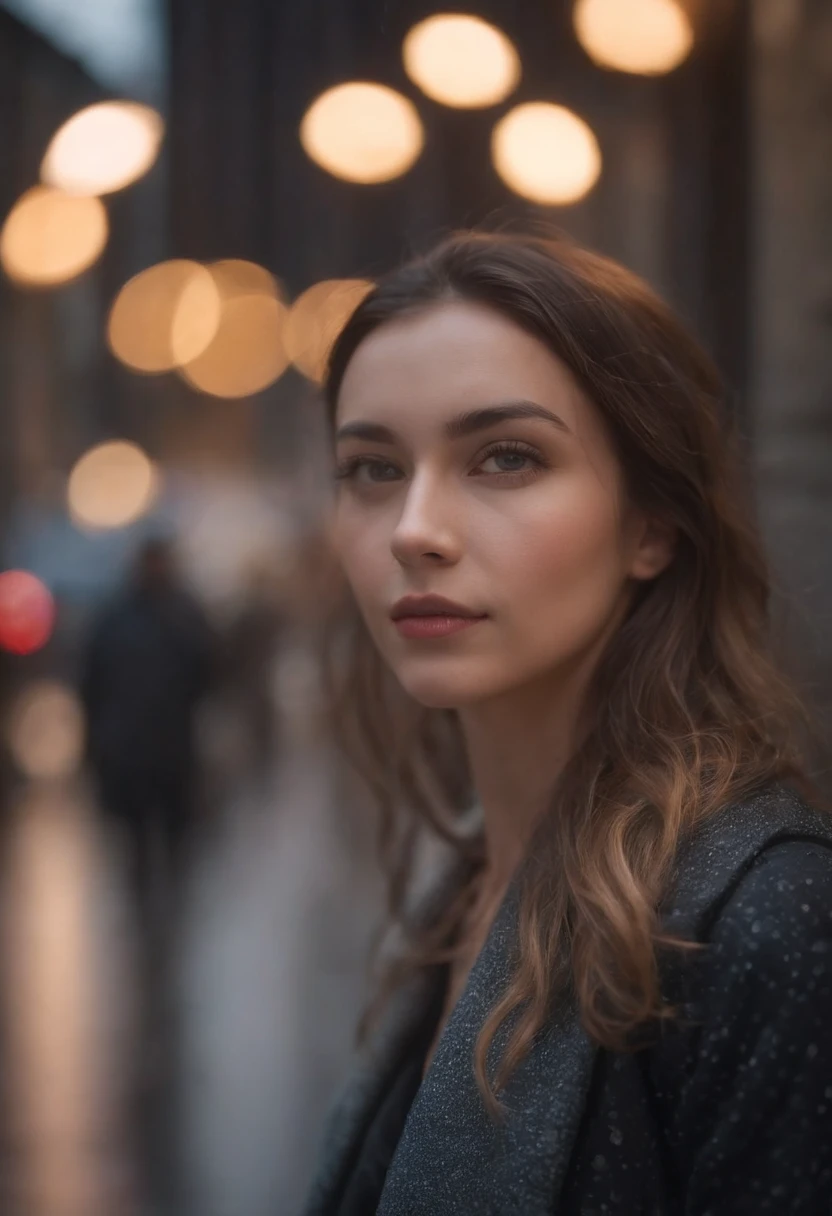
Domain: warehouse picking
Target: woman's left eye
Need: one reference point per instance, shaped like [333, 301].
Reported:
[516, 458]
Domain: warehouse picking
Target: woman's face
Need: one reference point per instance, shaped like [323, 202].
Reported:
[522, 520]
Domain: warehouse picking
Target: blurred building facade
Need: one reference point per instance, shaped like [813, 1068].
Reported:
[790, 391]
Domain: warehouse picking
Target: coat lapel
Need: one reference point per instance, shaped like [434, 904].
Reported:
[378, 1061]
[452, 1158]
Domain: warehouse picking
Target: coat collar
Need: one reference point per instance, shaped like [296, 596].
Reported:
[380, 1057]
[452, 1158]
[477, 1158]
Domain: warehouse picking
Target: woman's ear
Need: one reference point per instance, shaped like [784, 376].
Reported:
[654, 549]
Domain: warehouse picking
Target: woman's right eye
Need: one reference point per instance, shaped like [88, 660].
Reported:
[348, 470]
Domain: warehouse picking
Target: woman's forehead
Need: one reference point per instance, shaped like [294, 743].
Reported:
[453, 355]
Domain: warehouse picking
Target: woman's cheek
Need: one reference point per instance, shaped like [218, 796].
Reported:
[563, 537]
[569, 571]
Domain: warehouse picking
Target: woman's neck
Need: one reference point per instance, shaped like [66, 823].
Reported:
[517, 746]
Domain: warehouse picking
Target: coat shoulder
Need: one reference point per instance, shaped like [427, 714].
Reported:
[715, 857]
[777, 922]
[744, 1086]
[775, 811]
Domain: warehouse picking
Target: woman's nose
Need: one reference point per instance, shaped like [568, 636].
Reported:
[428, 527]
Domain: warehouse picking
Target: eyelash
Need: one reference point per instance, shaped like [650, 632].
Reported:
[348, 468]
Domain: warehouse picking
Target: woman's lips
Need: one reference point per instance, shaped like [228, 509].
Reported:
[434, 626]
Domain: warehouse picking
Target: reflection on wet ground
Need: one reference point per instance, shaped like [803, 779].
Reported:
[193, 1076]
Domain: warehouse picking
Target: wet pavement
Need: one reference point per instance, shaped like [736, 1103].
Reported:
[191, 1074]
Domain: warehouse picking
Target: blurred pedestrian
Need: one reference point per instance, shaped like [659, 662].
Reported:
[148, 663]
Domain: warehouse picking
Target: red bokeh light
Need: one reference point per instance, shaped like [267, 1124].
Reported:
[27, 612]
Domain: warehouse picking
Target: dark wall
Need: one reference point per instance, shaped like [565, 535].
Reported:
[39, 89]
[62, 390]
[791, 387]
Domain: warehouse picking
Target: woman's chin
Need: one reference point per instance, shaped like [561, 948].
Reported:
[435, 692]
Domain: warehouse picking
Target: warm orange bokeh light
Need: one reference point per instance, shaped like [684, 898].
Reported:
[546, 153]
[46, 731]
[164, 316]
[315, 320]
[362, 132]
[647, 37]
[460, 60]
[247, 354]
[103, 148]
[50, 237]
[112, 485]
[237, 277]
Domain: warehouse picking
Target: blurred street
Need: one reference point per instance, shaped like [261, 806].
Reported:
[101, 1113]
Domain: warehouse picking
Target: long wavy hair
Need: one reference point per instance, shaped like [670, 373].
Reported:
[692, 709]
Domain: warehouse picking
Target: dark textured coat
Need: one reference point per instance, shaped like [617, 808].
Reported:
[727, 1112]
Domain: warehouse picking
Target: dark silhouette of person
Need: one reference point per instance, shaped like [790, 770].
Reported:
[149, 661]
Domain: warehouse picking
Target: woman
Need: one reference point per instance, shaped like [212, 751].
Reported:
[618, 999]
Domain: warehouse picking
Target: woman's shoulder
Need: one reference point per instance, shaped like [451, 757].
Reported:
[775, 809]
[724, 852]
[777, 921]
[745, 1082]
[785, 870]
[764, 973]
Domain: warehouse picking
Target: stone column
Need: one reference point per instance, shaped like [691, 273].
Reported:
[792, 323]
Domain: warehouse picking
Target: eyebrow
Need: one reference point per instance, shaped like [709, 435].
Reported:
[467, 423]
